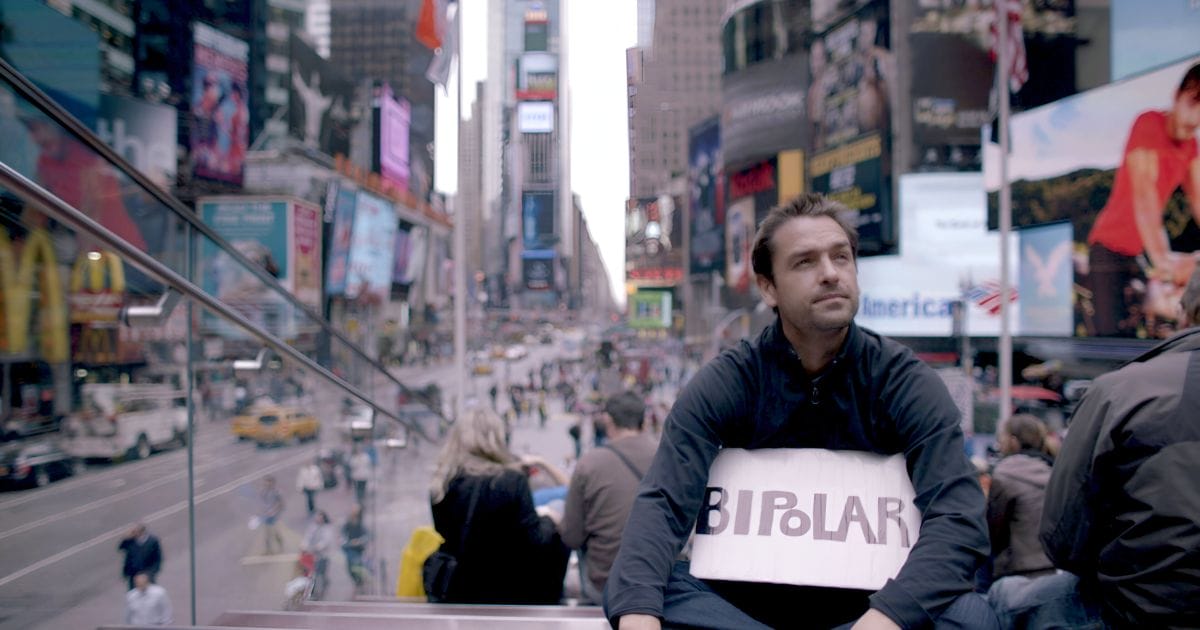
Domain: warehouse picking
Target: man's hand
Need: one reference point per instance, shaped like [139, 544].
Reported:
[639, 622]
[875, 620]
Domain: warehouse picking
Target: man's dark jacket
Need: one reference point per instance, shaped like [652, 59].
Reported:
[141, 556]
[875, 396]
[1123, 505]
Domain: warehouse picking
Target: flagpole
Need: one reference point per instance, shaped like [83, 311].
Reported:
[460, 241]
[1005, 348]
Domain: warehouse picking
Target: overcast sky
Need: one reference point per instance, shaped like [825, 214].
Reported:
[597, 35]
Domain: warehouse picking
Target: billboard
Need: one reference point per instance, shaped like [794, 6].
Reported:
[343, 201]
[650, 309]
[946, 254]
[706, 195]
[1143, 39]
[537, 77]
[535, 117]
[393, 119]
[849, 111]
[220, 115]
[763, 109]
[1090, 159]
[739, 232]
[653, 240]
[537, 219]
[320, 101]
[59, 54]
[257, 227]
[537, 266]
[411, 250]
[143, 133]
[369, 269]
[950, 106]
[1045, 280]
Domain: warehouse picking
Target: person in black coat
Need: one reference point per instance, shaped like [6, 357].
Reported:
[510, 553]
[142, 552]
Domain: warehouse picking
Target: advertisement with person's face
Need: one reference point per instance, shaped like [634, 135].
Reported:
[320, 101]
[220, 112]
[1120, 164]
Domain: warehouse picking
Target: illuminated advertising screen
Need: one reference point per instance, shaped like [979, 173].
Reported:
[343, 201]
[220, 112]
[143, 133]
[537, 219]
[850, 116]
[535, 117]
[653, 240]
[372, 245]
[392, 122]
[650, 309]
[1091, 160]
[706, 195]
[537, 266]
[537, 77]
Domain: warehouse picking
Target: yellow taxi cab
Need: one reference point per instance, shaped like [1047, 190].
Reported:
[282, 425]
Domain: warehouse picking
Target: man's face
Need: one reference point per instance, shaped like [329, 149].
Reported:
[816, 283]
[141, 581]
[1185, 115]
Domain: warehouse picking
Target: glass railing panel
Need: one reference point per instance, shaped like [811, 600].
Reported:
[260, 257]
[98, 435]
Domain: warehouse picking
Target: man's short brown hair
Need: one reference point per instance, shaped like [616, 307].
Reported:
[805, 205]
[627, 410]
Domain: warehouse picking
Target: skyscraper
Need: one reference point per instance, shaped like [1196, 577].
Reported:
[673, 85]
[374, 39]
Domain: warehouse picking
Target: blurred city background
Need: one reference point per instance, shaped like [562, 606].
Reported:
[228, 241]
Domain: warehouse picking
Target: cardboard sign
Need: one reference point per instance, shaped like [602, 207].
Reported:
[809, 517]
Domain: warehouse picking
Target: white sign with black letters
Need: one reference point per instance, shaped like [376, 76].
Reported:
[810, 517]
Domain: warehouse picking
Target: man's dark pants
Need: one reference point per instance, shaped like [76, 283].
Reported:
[690, 602]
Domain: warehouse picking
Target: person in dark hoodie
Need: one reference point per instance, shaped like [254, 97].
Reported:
[1015, 499]
[1122, 513]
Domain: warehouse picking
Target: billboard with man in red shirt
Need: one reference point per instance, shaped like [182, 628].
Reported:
[1121, 163]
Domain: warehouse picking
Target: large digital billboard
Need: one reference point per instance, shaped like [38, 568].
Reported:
[320, 101]
[143, 133]
[537, 77]
[651, 309]
[537, 269]
[535, 117]
[372, 245]
[392, 123]
[1145, 39]
[706, 194]
[342, 200]
[1120, 164]
[220, 113]
[537, 219]
[653, 240]
[849, 110]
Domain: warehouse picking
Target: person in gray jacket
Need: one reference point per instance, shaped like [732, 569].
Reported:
[1015, 499]
[1122, 512]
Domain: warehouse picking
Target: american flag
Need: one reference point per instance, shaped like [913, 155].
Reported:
[1008, 12]
[987, 296]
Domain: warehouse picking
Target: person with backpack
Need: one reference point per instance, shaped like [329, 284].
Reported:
[602, 489]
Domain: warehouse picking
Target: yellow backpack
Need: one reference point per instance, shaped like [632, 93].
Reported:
[423, 542]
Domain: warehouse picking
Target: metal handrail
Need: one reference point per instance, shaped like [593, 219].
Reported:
[59, 210]
[34, 95]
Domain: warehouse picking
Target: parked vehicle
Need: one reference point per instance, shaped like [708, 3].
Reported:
[126, 421]
[283, 425]
[34, 463]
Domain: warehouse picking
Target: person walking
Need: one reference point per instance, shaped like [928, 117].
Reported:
[270, 508]
[147, 604]
[318, 540]
[310, 481]
[360, 472]
[354, 546]
[143, 554]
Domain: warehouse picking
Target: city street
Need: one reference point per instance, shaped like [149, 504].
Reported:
[61, 568]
